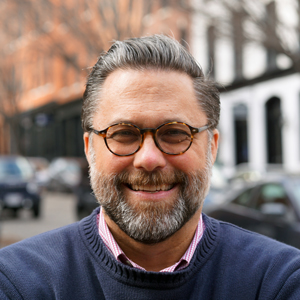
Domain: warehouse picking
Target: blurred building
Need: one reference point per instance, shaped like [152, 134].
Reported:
[260, 122]
[252, 49]
[48, 47]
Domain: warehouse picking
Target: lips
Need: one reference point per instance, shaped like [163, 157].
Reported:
[151, 188]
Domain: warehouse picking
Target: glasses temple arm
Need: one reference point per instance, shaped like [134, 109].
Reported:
[101, 133]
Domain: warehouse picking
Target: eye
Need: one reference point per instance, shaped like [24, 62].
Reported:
[123, 134]
[174, 132]
[174, 135]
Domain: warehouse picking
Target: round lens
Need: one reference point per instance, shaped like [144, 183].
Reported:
[123, 139]
[174, 138]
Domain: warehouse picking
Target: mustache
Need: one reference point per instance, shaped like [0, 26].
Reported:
[141, 177]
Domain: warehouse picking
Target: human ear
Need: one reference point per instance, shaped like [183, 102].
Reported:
[214, 145]
[86, 140]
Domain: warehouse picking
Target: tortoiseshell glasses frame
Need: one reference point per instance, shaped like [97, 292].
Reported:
[125, 139]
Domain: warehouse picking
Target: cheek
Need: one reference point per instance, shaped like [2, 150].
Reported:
[188, 162]
[105, 161]
[195, 158]
[110, 163]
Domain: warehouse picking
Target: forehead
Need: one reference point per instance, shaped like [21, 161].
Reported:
[148, 98]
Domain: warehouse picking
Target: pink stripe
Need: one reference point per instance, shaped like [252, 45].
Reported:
[117, 252]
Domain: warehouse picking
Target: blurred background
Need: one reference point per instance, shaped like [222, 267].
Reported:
[251, 48]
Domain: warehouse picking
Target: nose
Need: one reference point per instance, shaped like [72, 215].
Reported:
[149, 157]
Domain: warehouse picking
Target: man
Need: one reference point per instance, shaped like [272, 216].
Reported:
[150, 119]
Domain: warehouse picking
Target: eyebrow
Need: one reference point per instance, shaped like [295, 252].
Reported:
[139, 125]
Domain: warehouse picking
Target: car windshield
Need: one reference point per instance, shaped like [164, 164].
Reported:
[295, 188]
[17, 168]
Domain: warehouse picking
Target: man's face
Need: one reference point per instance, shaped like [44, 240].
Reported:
[150, 195]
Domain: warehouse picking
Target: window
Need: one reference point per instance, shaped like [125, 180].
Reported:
[245, 198]
[240, 113]
[274, 130]
[272, 193]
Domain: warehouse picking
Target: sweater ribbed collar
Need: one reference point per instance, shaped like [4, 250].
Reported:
[91, 238]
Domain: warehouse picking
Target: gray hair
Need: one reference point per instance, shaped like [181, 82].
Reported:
[152, 52]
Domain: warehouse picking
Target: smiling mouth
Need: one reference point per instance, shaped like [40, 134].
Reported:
[150, 188]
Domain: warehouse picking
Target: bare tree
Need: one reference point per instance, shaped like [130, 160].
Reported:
[255, 21]
[10, 88]
[74, 32]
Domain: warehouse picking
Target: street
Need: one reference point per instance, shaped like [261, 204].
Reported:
[58, 209]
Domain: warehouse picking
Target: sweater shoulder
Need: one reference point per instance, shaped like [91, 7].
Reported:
[38, 267]
[246, 261]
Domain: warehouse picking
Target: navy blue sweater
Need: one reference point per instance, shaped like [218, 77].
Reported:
[73, 263]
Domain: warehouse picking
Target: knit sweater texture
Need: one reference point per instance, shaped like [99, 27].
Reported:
[72, 262]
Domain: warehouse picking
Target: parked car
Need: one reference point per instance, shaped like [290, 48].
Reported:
[270, 206]
[70, 174]
[247, 173]
[85, 199]
[65, 173]
[17, 186]
[40, 166]
[218, 184]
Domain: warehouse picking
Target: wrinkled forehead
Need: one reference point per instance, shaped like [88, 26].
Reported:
[145, 95]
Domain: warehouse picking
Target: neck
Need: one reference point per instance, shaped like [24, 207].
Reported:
[156, 257]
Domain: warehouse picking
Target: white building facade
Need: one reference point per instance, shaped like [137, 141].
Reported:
[260, 125]
[260, 106]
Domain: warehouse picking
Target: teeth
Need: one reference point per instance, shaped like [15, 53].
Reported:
[152, 188]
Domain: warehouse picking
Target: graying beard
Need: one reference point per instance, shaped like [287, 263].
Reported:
[154, 222]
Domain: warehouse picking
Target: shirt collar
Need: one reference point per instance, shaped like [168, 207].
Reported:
[117, 252]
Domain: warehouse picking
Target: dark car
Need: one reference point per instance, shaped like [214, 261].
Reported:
[270, 207]
[17, 186]
[85, 199]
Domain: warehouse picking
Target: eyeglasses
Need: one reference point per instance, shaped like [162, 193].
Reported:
[172, 138]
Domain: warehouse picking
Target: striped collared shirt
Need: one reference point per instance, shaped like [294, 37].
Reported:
[117, 252]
